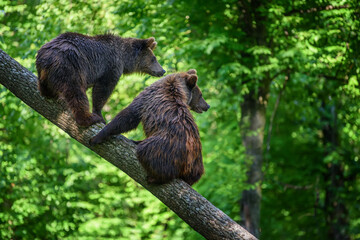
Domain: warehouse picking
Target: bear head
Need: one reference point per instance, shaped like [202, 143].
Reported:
[195, 101]
[146, 61]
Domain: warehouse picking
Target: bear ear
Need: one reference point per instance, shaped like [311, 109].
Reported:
[191, 81]
[191, 71]
[153, 45]
[150, 42]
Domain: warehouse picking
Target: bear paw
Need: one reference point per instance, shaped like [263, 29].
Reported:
[90, 120]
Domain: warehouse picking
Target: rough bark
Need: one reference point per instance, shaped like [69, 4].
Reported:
[188, 204]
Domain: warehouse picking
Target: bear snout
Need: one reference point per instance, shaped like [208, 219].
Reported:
[207, 107]
[159, 73]
[162, 72]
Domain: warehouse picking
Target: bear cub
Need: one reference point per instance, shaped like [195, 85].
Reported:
[172, 148]
[72, 62]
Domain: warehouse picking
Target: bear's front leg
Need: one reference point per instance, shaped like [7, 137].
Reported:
[102, 90]
[128, 119]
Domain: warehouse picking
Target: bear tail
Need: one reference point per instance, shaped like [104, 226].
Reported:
[161, 157]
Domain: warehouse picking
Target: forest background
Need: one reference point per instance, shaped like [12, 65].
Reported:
[281, 142]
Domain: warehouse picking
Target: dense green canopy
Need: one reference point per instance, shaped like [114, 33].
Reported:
[297, 60]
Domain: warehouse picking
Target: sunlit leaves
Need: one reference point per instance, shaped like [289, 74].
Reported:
[52, 187]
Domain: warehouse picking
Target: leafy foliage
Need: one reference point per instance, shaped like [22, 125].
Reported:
[52, 187]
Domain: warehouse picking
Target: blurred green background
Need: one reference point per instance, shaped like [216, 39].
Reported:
[298, 59]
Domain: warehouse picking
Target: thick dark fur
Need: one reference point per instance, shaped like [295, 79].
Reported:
[172, 148]
[72, 62]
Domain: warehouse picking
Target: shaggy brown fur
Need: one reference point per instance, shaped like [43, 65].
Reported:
[172, 148]
[72, 62]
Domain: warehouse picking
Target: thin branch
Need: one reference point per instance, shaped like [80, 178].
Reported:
[188, 204]
[331, 77]
[296, 187]
[277, 74]
[274, 112]
[316, 9]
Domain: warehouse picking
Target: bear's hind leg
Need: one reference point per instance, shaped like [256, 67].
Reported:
[155, 155]
[43, 85]
[46, 91]
[191, 179]
[196, 172]
[76, 98]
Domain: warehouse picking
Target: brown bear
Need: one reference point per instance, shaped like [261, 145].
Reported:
[72, 62]
[172, 148]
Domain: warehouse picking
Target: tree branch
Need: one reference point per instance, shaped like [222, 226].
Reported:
[316, 9]
[188, 204]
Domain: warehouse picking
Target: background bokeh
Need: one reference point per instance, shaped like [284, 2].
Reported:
[306, 53]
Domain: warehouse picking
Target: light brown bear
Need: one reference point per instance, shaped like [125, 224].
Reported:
[172, 148]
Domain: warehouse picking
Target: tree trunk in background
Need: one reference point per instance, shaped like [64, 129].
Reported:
[253, 115]
[335, 209]
[252, 130]
[336, 212]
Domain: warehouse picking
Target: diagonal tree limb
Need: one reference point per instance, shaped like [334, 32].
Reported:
[188, 204]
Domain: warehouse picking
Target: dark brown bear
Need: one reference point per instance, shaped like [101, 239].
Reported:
[72, 62]
[172, 148]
